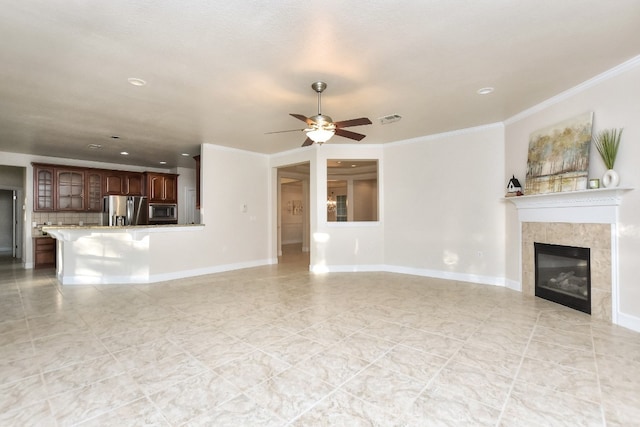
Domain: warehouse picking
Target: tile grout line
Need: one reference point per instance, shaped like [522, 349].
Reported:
[47, 399]
[339, 387]
[595, 362]
[515, 377]
[445, 364]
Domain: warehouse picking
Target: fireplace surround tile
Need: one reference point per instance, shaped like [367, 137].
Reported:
[597, 237]
[600, 304]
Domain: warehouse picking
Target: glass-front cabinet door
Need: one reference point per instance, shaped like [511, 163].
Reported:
[43, 198]
[94, 191]
[70, 190]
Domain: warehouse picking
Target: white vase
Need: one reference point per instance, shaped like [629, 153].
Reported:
[610, 179]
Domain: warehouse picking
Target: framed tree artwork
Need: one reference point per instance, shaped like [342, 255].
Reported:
[558, 158]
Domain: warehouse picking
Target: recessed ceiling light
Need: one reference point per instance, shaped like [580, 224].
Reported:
[94, 146]
[124, 153]
[485, 90]
[185, 154]
[136, 82]
[115, 137]
[163, 163]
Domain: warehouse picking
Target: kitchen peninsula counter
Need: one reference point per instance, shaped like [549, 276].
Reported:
[94, 254]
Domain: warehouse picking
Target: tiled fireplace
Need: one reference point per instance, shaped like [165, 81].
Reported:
[596, 237]
[586, 219]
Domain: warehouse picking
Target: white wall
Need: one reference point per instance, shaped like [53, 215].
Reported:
[614, 99]
[442, 205]
[346, 246]
[231, 238]
[335, 246]
[11, 177]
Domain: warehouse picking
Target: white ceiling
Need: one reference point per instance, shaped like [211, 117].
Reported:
[226, 72]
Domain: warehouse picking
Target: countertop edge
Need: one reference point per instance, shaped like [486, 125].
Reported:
[74, 232]
[48, 228]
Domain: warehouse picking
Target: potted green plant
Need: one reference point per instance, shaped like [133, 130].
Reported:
[607, 142]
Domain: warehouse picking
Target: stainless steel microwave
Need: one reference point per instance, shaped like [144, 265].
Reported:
[163, 213]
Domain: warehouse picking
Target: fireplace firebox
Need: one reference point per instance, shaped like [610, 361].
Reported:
[563, 275]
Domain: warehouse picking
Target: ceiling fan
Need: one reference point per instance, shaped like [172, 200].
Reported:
[321, 127]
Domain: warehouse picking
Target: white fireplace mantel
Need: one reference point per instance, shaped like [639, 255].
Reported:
[569, 206]
[598, 206]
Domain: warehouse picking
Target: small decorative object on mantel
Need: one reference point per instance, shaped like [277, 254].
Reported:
[594, 183]
[607, 142]
[513, 187]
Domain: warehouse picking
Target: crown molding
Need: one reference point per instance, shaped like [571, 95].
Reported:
[562, 96]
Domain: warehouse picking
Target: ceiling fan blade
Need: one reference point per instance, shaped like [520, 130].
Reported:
[349, 134]
[306, 142]
[283, 131]
[303, 118]
[353, 122]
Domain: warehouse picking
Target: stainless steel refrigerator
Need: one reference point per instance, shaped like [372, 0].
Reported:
[124, 210]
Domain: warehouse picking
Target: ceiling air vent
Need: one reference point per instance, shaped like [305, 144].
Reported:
[391, 118]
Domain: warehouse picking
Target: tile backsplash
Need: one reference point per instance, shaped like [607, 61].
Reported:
[66, 218]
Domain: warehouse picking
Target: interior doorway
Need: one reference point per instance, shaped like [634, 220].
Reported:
[293, 213]
[7, 223]
[12, 213]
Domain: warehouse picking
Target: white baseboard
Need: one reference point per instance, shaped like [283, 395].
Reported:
[80, 280]
[461, 277]
[628, 321]
[211, 270]
[352, 268]
[513, 285]
[153, 278]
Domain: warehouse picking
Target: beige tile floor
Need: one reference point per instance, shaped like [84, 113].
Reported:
[275, 346]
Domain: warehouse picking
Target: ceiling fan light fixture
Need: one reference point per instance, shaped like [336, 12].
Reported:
[320, 135]
[321, 128]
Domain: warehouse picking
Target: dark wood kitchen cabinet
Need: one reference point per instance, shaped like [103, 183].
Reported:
[113, 183]
[162, 187]
[43, 188]
[94, 190]
[44, 252]
[135, 184]
[123, 183]
[65, 188]
[70, 190]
